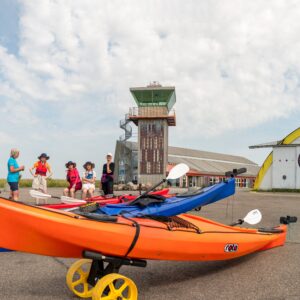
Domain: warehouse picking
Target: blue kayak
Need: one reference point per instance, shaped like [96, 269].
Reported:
[175, 205]
[4, 250]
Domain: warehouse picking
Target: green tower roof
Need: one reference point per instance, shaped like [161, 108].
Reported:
[154, 96]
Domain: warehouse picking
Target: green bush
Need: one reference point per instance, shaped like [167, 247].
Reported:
[2, 183]
[55, 183]
[278, 191]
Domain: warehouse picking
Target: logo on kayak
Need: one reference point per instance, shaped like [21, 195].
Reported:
[231, 247]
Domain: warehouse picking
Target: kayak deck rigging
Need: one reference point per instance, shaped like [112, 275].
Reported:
[175, 222]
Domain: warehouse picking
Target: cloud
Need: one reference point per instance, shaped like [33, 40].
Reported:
[6, 139]
[233, 63]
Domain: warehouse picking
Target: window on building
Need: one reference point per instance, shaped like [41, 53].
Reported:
[212, 180]
[155, 142]
[148, 168]
[184, 181]
[158, 166]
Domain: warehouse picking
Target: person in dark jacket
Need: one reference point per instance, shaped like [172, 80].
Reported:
[107, 178]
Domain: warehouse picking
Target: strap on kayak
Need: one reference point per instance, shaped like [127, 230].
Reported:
[98, 217]
[270, 230]
[136, 236]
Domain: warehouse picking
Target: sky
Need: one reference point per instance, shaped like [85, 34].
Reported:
[66, 67]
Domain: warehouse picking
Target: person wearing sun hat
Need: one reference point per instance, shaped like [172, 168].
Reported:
[107, 179]
[73, 178]
[88, 180]
[14, 176]
[40, 175]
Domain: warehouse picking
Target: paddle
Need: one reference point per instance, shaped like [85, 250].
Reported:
[253, 217]
[64, 199]
[235, 172]
[175, 173]
[69, 200]
[37, 194]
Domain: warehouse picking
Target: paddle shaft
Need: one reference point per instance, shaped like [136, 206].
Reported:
[151, 189]
[239, 222]
[41, 196]
[235, 172]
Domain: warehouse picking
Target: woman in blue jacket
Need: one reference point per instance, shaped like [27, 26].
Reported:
[13, 176]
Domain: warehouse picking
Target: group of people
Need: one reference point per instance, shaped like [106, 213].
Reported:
[41, 171]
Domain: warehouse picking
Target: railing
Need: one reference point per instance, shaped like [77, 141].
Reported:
[150, 111]
[124, 124]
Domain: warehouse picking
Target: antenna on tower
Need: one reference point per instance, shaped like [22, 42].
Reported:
[154, 84]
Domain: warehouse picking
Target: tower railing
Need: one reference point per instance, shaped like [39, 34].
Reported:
[152, 112]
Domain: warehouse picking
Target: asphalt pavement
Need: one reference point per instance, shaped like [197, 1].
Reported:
[272, 274]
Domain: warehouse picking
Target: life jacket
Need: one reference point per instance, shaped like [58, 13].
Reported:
[41, 169]
[89, 174]
[73, 176]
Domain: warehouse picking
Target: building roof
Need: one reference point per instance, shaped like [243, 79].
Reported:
[210, 162]
[291, 140]
[154, 95]
[273, 145]
[204, 162]
[265, 145]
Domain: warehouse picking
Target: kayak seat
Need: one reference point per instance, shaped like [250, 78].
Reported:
[124, 198]
[89, 207]
[148, 199]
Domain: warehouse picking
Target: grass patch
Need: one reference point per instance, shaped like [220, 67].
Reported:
[278, 191]
[55, 183]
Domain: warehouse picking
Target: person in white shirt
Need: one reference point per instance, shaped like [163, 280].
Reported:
[88, 180]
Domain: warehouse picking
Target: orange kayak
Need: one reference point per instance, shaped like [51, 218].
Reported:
[51, 232]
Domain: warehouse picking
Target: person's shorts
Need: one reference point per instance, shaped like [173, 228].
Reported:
[78, 186]
[87, 186]
[14, 186]
[39, 183]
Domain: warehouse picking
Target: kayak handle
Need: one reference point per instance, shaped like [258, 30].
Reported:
[288, 219]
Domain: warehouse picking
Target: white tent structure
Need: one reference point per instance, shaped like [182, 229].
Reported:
[281, 169]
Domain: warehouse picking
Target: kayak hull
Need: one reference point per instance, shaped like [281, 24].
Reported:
[55, 233]
[4, 250]
[102, 200]
[174, 205]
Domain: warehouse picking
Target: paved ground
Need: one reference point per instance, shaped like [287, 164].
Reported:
[273, 274]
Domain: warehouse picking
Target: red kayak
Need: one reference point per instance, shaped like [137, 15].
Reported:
[102, 200]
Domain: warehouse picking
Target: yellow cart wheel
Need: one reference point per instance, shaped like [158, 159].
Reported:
[115, 287]
[77, 278]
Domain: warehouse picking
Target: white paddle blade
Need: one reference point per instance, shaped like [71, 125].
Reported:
[253, 217]
[178, 171]
[37, 194]
[69, 200]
